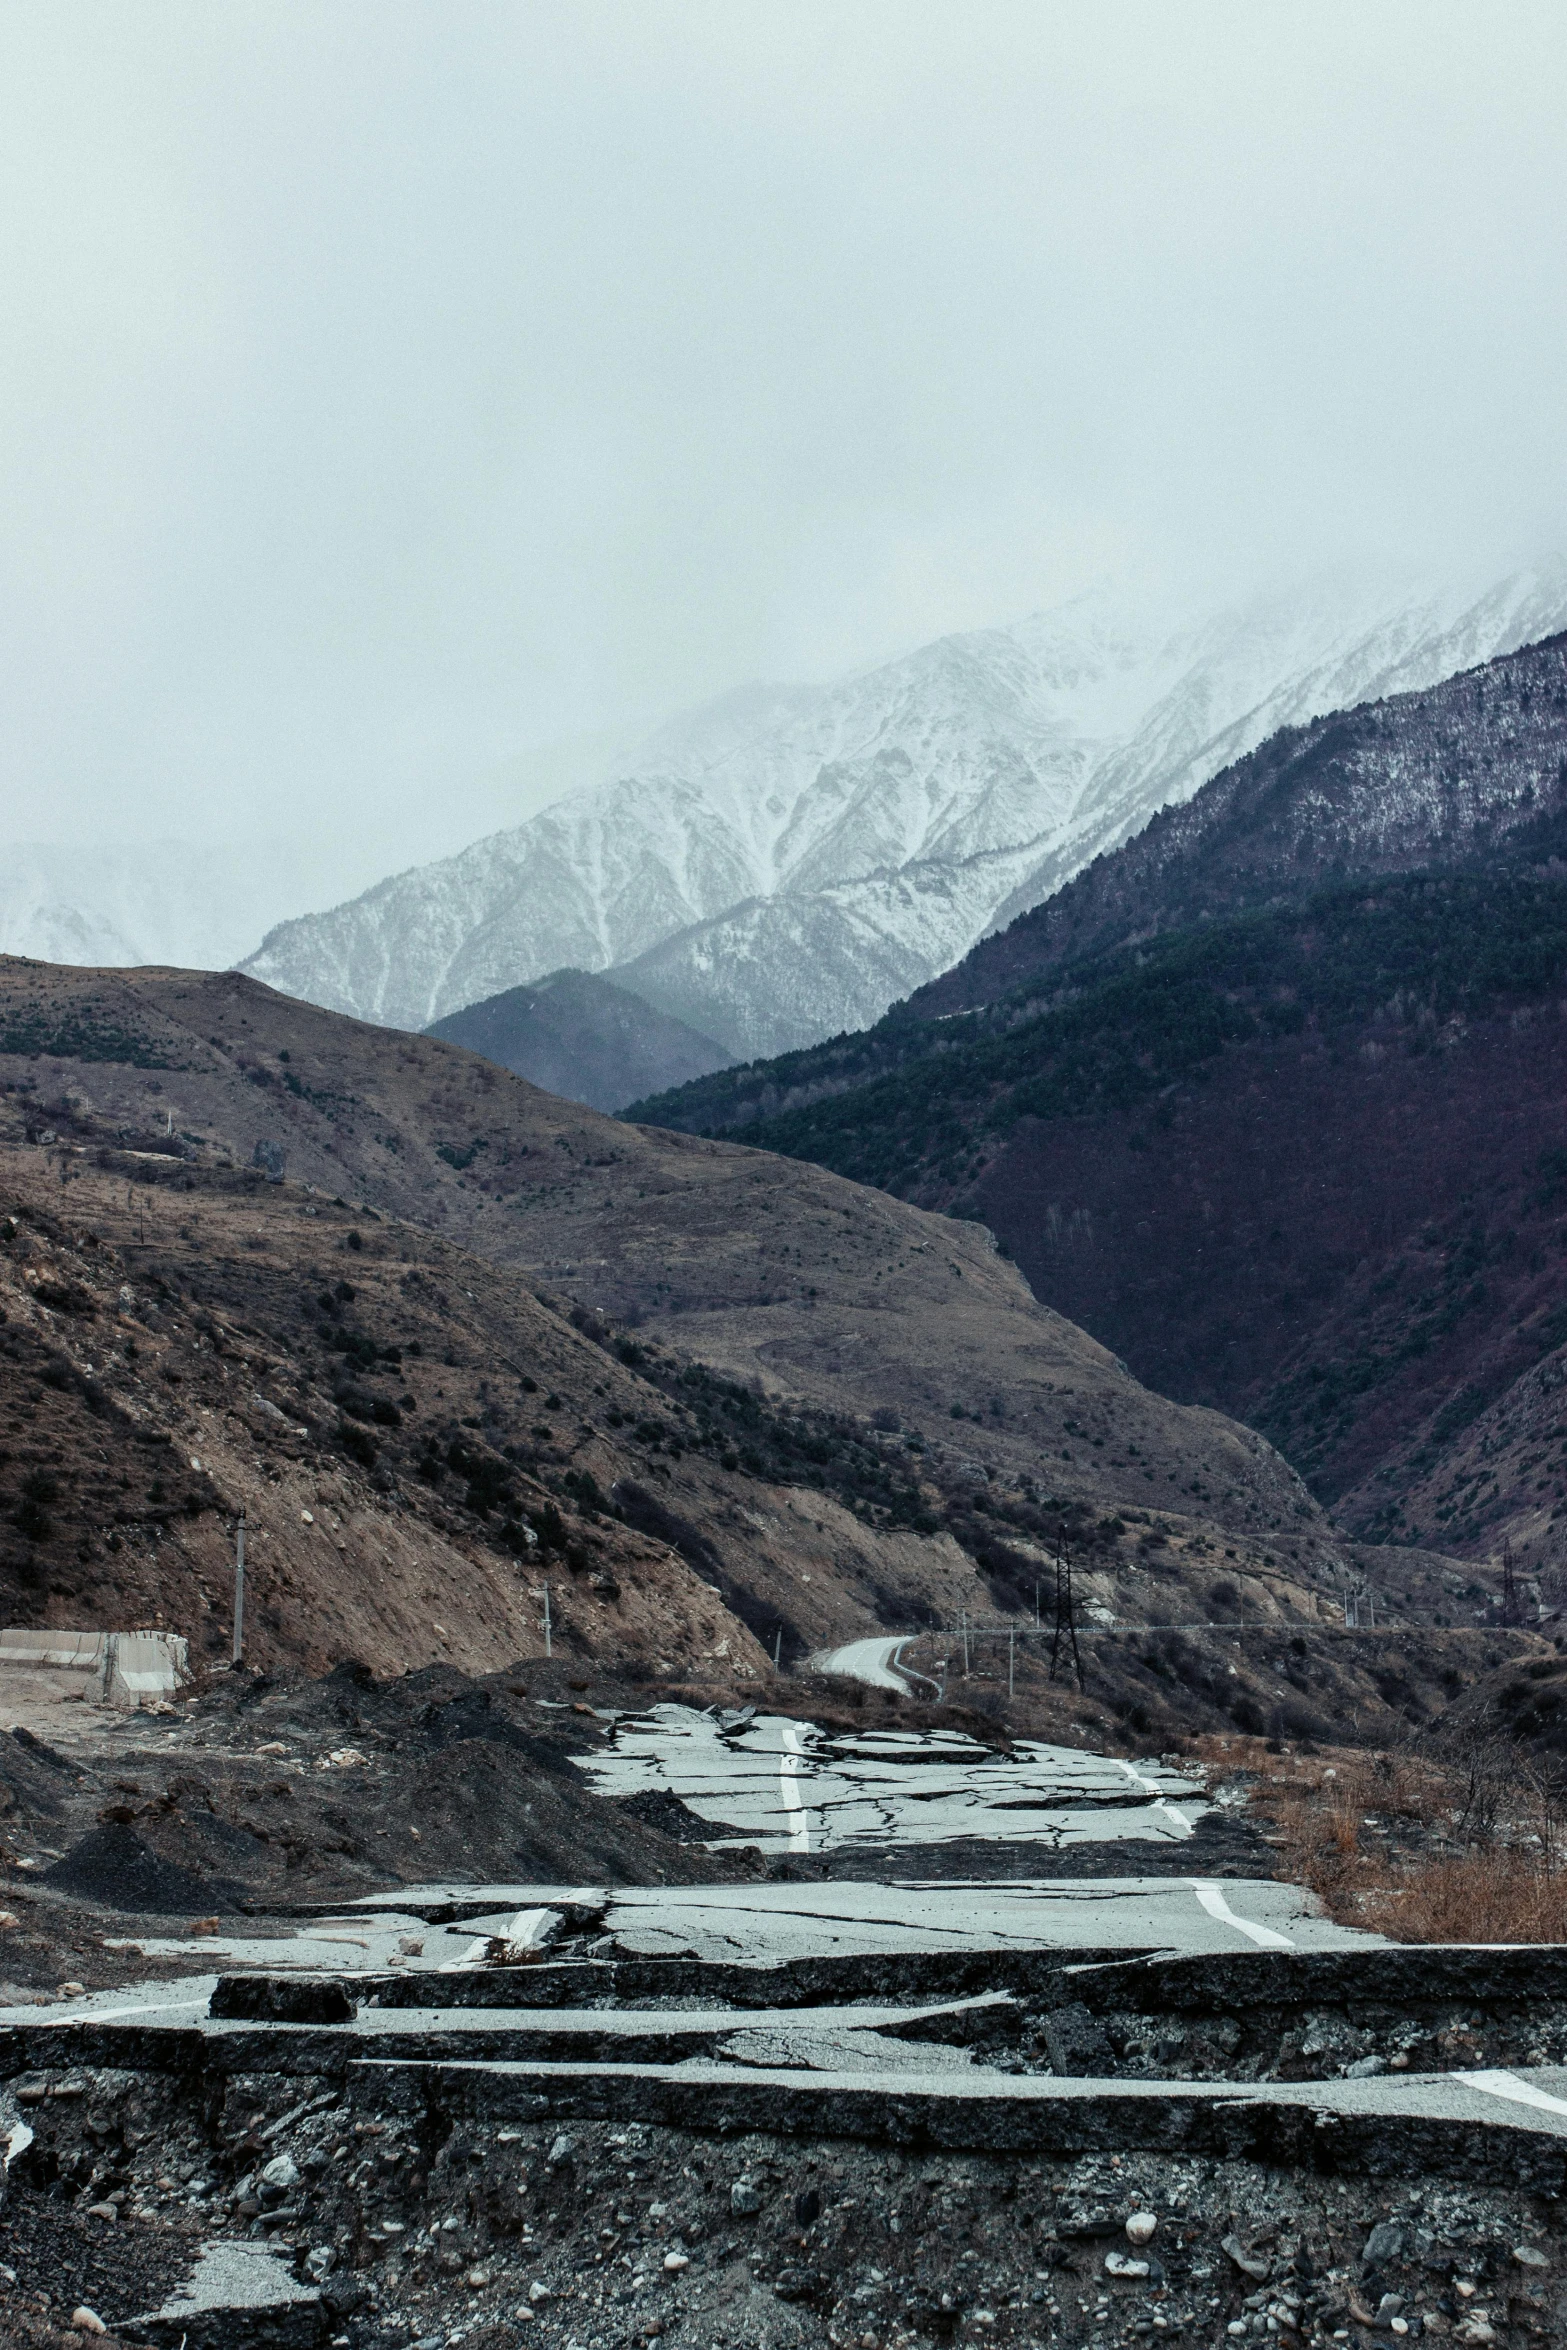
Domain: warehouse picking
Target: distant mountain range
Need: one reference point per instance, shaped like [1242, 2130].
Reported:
[175, 902]
[583, 1037]
[1273, 1100]
[789, 861]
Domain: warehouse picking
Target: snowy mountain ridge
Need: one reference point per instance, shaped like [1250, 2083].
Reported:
[789, 860]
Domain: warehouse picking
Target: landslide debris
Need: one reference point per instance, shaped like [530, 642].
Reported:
[278, 1791]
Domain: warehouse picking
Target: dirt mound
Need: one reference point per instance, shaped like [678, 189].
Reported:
[56, 2251]
[657, 1808]
[490, 1813]
[327, 1789]
[113, 1866]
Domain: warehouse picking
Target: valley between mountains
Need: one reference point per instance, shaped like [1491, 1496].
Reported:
[473, 1339]
[647, 1536]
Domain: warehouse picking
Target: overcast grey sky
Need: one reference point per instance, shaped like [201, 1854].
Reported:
[388, 388]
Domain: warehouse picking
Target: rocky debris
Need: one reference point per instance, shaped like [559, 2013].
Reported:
[1076, 2041]
[1347, 2017]
[407, 2227]
[318, 1789]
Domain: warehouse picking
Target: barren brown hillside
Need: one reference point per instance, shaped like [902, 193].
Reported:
[755, 1264]
[472, 1333]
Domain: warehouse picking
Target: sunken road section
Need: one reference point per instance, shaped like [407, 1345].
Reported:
[873, 2121]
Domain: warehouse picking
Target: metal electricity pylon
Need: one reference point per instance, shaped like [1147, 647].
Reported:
[1064, 1635]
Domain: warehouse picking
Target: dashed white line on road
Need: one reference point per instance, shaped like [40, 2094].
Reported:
[1213, 1901]
[1151, 1787]
[788, 1772]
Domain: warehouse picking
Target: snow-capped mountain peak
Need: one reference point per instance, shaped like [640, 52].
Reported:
[790, 859]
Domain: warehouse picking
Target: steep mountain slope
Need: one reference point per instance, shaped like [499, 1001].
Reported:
[583, 1037]
[1305, 1166]
[179, 1342]
[1468, 773]
[810, 1294]
[784, 863]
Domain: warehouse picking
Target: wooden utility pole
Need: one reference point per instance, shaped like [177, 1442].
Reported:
[239, 1590]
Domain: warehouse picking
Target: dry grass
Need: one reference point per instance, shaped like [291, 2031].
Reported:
[1505, 1894]
[1469, 1845]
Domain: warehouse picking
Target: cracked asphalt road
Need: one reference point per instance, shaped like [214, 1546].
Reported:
[789, 1786]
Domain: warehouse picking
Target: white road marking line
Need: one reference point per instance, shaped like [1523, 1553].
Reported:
[788, 1771]
[1509, 2086]
[108, 2015]
[1213, 1901]
[1151, 1787]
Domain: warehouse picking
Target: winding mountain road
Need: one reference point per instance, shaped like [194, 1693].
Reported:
[874, 1662]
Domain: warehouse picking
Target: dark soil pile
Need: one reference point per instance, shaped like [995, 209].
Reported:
[272, 1792]
[112, 1866]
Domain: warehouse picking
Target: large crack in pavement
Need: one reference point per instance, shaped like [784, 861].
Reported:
[917, 2104]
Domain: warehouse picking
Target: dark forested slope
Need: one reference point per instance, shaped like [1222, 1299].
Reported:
[1274, 1102]
[1467, 776]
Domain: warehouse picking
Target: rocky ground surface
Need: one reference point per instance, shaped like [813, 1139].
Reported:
[263, 1791]
[611, 2236]
[414, 2223]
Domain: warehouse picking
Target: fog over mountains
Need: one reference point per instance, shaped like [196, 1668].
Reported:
[790, 860]
[190, 903]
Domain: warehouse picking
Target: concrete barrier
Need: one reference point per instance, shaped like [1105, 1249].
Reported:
[44, 1646]
[113, 1668]
[142, 1666]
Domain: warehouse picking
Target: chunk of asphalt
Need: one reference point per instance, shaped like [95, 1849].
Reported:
[238, 2294]
[281, 1999]
[829, 2049]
